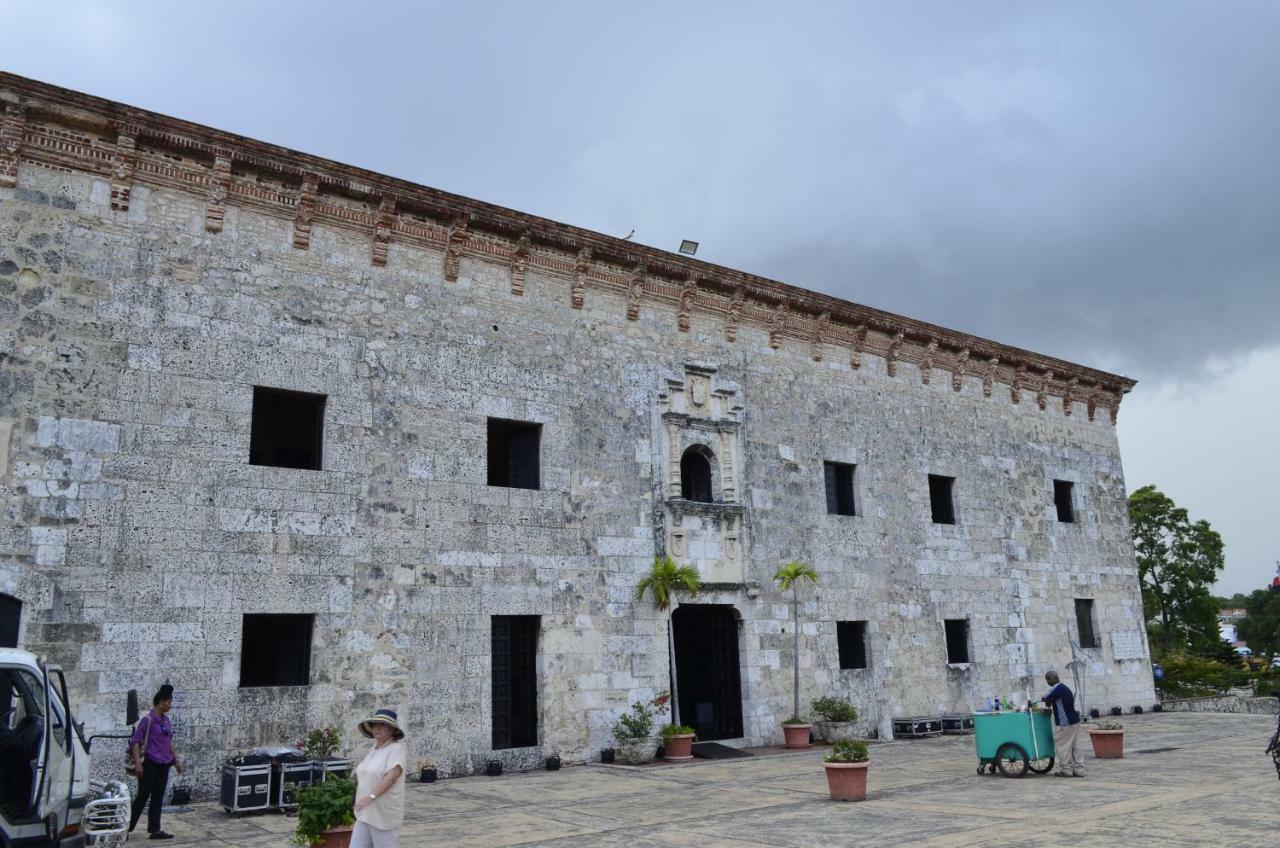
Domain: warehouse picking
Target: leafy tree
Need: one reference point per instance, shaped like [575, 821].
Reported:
[664, 580]
[1178, 560]
[1261, 625]
[789, 577]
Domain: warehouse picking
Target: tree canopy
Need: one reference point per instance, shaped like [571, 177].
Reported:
[1178, 561]
[1261, 626]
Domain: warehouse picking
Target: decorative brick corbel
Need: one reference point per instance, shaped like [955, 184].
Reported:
[13, 126]
[1116, 396]
[1015, 386]
[382, 227]
[891, 361]
[635, 292]
[778, 326]
[734, 316]
[820, 335]
[453, 248]
[859, 345]
[581, 268]
[687, 294]
[126, 159]
[958, 370]
[1042, 394]
[1091, 402]
[306, 211]
[520, 263]
[1067, 398]
[989, 375]
[926, 366]
[215, 211]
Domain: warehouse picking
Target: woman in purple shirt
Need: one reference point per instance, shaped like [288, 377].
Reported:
[152, 748]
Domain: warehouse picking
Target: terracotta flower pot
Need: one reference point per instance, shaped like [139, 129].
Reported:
[797, 735]
[335, 837]
[1107, 744]
[847, 781]
[678, 746]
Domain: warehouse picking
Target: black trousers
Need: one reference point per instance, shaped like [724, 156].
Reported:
[155, 776]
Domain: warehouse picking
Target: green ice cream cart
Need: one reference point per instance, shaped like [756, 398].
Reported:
[1014, 741]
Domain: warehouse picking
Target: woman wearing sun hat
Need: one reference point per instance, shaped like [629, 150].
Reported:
[380, 784]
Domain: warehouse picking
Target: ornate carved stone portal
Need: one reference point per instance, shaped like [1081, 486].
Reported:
[700, 413]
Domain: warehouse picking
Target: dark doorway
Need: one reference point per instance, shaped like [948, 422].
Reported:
[708, 687]
[515, 680]
[10, 616]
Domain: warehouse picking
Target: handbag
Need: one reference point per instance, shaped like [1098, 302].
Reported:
[128, 754]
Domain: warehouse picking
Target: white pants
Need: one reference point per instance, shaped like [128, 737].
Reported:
[1066, 745]
[367, 836]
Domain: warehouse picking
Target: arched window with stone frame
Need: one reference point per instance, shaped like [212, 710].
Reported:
[697, 474]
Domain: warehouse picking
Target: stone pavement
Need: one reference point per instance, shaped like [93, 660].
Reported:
[1187, 779]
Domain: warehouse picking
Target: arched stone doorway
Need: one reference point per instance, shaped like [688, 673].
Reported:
[708, 670]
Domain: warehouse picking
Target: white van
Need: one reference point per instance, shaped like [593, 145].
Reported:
[45, 792]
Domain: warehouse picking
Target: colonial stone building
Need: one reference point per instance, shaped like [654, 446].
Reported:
[307, 440]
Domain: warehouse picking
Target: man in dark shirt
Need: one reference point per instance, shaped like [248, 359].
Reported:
[1066, 734]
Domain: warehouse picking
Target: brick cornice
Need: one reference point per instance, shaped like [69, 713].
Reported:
[125, 145]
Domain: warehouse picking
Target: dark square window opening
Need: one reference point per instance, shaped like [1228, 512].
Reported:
[851, 636]
[275, 650]
[941, 504]
[1084, 623]
[839, 482]
[513, 454]
[1062, 499]
[287, 429]
[957, 640]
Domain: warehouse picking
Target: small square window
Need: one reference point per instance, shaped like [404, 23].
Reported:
[940, 500]
[839, 483]
[513, 454]
[1084, 623]
[287, 429]
[1062, 500]
[957, 640]
[275, 650]
[851, 636]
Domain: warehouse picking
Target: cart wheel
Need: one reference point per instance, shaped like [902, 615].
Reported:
[980, 768]
[1011, 759]
[1044, 765]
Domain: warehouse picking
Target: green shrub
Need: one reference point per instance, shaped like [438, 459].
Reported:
[676, 730]
[1108, 724]
[848, 751]
[1190, 676]
[324, 805]
[795, 720]
[638, 724]
[835, 709]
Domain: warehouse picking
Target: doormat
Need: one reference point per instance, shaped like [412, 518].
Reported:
[716, 751]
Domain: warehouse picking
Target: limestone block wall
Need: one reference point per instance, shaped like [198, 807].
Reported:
[137, 535]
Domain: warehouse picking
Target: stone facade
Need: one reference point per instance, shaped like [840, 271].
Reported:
[152, 272]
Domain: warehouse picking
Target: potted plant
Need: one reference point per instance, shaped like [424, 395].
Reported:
[835, 719]
[1107, 737]
[426, 770]
[795, 729]
[325, 813]
[320, 745]
[663, 581]
[846, 768]
[677, 742]
[634, 731]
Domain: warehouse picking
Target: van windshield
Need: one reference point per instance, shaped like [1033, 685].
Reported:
[21, 735]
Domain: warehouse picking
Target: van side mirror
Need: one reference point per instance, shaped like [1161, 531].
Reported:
[131, 708]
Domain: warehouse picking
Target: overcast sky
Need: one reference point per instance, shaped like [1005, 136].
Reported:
[1096, 181]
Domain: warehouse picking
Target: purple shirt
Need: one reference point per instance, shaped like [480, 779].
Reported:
[160, 743]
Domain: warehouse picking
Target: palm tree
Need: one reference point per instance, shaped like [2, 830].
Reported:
[662, 582]
[789, 577]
